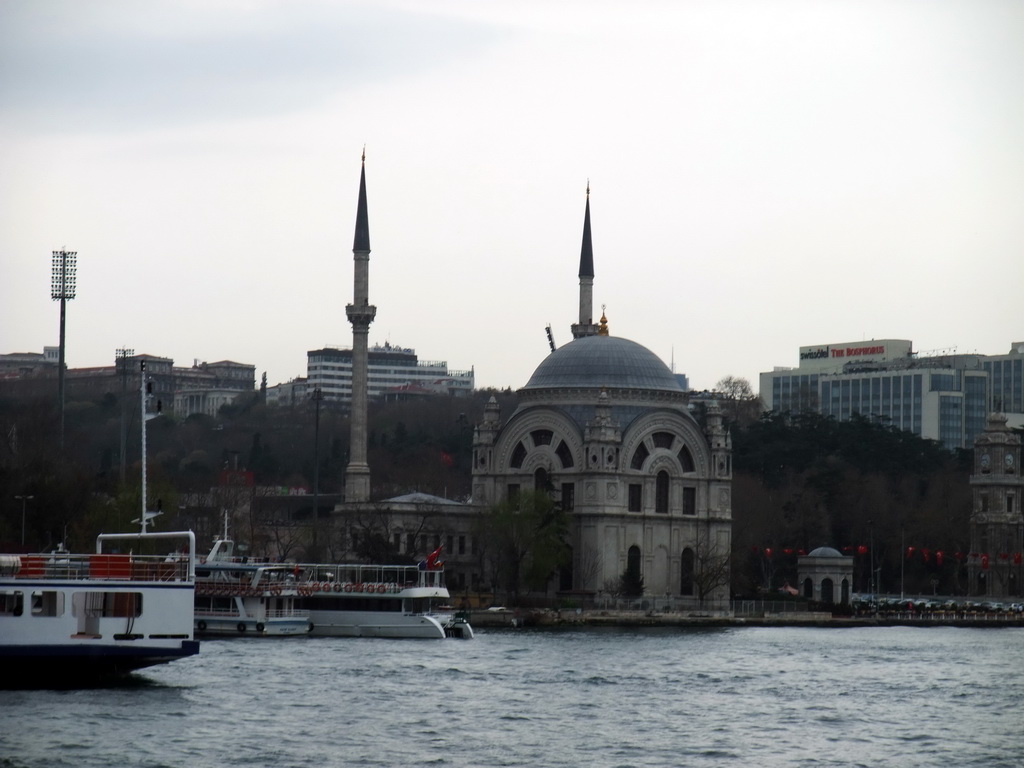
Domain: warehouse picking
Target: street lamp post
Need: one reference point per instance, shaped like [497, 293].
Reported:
[317, 396]
[24, 501]
[122, 369]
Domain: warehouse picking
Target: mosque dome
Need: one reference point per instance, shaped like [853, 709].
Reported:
[603, 362]
[825, 552]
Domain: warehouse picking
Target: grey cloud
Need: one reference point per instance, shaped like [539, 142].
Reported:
[88, 67]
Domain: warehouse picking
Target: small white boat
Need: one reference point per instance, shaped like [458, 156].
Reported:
[379, 601]
[241, 598]
[70, 618]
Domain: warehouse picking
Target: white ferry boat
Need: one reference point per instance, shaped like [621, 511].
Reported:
[378, 601]
[237, 597]
[70, 618]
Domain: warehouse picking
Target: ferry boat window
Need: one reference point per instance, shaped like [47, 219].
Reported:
[106, 604]
[12, 603]
[49, 603]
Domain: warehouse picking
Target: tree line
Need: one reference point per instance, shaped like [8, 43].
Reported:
[800, 480]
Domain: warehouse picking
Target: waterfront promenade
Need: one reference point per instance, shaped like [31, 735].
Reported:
[570, 618]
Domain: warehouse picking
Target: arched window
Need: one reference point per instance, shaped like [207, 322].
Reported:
[565, 573]
[808, 588]
[639, 457]
[686, 459]
[518, 455]
[542, 436]
[661, 492]
[662, 439]
[632, 579]
[686, 572]
[564, 454]
[845, 590]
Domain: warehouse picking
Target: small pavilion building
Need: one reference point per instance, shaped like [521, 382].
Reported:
[826, 576]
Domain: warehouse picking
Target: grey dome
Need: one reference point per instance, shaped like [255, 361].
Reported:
[825, 552]
[603, 361]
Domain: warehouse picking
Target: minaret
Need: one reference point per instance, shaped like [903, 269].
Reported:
[586, 326]
[360, 313]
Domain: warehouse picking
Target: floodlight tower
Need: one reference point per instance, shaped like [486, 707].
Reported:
[62, 289]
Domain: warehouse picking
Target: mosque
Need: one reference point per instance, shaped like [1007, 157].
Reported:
[605, 427]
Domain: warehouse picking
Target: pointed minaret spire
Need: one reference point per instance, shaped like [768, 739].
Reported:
[586, 326]
[360, 313]
[362, 238]
[587, 251]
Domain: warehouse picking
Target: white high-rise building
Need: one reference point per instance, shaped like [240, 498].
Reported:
[390, 368]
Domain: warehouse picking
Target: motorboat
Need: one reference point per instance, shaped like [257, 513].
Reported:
[408, 601]
[239, 597]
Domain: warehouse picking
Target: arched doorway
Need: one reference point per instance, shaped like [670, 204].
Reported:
[632, 579]
[828, 591]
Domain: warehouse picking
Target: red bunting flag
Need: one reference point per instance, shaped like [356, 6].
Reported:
[768, 552]
[927, 554]
[862, 550]
[910, 552]
[938, 558]
[984, 562]
[788, 550]
[1017, 558]
[801, 552]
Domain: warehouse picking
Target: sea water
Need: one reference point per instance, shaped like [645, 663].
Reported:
[593, 697]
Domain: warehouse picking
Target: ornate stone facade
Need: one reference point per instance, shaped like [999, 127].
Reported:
[997, 523]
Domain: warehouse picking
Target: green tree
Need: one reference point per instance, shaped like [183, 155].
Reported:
[631, 583]
[527, 542]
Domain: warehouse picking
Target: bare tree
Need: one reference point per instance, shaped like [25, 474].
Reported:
[711, 565]
[589, 565]
[740, 404]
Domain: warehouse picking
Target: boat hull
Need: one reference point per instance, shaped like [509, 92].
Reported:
[374, 624]
[237, 626]
[71, 665]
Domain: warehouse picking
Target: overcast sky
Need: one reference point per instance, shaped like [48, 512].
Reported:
[764, 175]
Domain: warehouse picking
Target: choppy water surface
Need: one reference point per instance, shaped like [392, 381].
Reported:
[757, 696]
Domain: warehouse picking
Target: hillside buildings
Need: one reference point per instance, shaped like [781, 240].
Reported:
[202, 388]
[944, 397]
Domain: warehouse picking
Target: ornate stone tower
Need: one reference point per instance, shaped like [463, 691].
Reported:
[997, 523]
[586, 325]
[360, 313]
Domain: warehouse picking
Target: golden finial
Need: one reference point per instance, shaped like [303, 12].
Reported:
[364, 153]
[603, 329]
